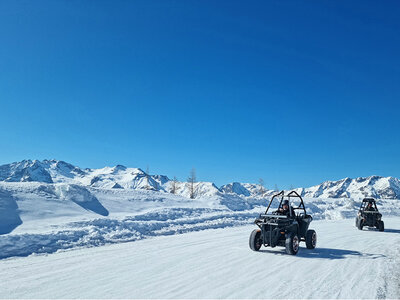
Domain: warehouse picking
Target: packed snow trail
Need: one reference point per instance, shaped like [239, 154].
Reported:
[216, 263]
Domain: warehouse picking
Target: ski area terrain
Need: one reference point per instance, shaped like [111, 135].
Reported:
[216, 263]
[118, 232]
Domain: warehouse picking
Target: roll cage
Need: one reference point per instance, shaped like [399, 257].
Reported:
[365, 202]
[281, 196]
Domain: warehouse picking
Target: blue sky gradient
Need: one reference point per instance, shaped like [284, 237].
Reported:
[295, 92]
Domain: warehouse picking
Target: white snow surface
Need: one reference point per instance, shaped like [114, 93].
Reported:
[347, 263]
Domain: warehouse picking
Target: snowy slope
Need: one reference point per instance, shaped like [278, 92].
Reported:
[347, 263]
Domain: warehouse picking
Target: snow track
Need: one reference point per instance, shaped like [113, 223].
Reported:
[216, 263]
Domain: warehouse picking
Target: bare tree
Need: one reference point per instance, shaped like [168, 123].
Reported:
[173, 185]
[191, 181]
[262, 188]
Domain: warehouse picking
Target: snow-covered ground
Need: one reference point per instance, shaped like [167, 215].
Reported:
[75, 233]
[216, 263]
[45, 218]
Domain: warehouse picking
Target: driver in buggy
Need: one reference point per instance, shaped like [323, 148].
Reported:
[285, 209]
[370, 207]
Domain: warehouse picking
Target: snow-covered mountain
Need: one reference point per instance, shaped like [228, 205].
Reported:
[243, 189]
[118, 177]
[121, 177]
[372, 186]
[361, 187]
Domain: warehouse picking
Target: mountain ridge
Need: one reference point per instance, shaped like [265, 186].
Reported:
[122, 177]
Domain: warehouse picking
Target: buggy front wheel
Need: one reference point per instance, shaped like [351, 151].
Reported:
[255, 240]
[292, 243]
[381, 226]
[360, 224]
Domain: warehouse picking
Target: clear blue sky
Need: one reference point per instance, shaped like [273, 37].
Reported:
[295, 92]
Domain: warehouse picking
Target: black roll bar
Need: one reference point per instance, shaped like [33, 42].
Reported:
[292, 194]
[276, 195]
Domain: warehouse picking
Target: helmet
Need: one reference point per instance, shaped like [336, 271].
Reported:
[285, 202]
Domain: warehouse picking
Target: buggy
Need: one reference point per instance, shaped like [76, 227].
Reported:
[284, 230]
[368, 215]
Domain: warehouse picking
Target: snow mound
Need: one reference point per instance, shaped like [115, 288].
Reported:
[81, 196]
[103, 231]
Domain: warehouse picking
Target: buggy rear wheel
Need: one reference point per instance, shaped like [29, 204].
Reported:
[292, 243]
[311, 239]
[255, 240]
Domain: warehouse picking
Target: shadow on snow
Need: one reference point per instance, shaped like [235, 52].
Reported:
[95, 206]
[9, 213]
[326, 253]
[392, 230]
